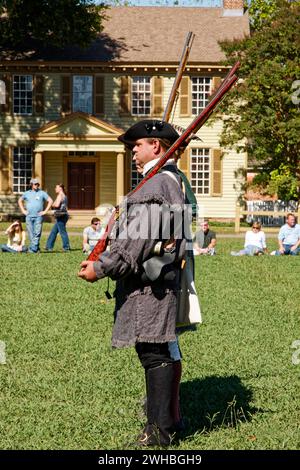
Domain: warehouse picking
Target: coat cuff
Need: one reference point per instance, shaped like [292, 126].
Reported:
[98, 270]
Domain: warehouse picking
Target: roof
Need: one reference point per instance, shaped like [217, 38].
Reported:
[149, 35]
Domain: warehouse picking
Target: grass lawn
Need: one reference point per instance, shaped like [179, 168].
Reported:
[62, 386]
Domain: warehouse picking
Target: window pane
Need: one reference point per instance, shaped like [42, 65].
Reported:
[200, 180]
[22, 94]
[22, 168]
[135, 176]
[200, 93]
[141, 96]
[83, 93]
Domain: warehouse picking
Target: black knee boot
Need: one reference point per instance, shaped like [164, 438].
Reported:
[159, 413]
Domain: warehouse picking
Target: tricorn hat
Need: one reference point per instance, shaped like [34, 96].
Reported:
[149, 128]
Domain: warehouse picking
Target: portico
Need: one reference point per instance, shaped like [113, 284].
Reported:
[84, 153]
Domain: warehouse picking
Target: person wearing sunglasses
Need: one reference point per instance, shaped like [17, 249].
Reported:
[91, 235]
[146, 265]
[255, 242]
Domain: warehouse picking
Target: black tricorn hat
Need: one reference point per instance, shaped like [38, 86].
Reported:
[149, 128]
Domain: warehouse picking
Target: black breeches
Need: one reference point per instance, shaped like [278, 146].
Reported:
[153, 354]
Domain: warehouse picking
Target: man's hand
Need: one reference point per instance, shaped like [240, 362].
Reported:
[87, 271]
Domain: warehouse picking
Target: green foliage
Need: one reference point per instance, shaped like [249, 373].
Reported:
[283, 183]
[268, 123]
[63, 387]
[260, 12]
[53, 22]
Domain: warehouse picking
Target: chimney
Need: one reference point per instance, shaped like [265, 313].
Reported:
[233, 7]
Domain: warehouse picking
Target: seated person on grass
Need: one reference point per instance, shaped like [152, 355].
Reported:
[205, 240]
[255, 242]
[16, 239]
[289, 238]
[91, 235]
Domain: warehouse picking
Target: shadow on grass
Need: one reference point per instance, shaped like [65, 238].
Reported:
[214, 402]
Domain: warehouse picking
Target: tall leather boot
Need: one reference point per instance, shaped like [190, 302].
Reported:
[175, 405]
[159, 403]
[178, 422]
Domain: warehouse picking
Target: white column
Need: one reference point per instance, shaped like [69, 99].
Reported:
[38, 166]
[120, 176]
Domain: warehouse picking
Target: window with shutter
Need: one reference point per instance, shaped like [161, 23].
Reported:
[184, 164]
[184, 97]
[2, 92]
[200, 167]
[124, 96]
[66, 91]
[201, 87]
[82, 93]
[22, 168]
[4, 169]
[5, 102]
[39, 94]
[216, 172]
[157, 96]
[140, 96]
[99, 95]
[23, 95]
[215, 83]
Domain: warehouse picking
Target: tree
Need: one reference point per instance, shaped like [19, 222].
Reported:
[53, 22]
[263, 113]
[260, 12]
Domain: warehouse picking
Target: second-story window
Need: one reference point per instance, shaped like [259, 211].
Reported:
[141, 96]
[200, 93]
[22, 94]
[83, 93]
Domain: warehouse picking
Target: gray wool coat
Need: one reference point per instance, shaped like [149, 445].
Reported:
[144, 312]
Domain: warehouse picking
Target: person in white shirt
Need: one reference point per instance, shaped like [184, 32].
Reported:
[16, 239]
[91, 235]
[255, 242]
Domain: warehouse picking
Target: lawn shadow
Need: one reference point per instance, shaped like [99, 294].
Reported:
[213, 402]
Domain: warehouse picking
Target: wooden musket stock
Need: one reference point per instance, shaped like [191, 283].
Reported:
[180, 143]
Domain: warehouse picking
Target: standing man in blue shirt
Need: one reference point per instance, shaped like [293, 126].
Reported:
[34, 212]
[289, 237]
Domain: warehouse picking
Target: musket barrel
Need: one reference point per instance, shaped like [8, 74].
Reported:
[195, 125]
[177, 80]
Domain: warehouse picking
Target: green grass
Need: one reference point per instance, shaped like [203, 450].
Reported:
[63, 387]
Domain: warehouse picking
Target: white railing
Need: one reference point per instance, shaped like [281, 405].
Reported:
[271, 214]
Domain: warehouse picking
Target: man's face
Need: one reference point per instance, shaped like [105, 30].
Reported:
[204, 227]
[143, 152]
[291, 221]
[96, 225]
[35, 186]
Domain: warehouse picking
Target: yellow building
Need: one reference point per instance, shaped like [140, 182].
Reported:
[64, 109]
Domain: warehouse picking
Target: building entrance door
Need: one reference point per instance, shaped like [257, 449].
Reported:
[81, 185]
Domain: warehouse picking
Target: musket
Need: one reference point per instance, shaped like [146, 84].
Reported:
[183, 60]
[181, 142]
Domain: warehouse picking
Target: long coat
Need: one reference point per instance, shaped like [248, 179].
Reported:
[144, 312]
